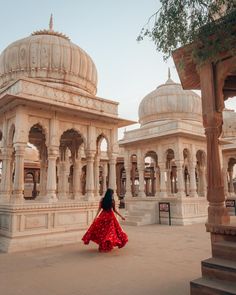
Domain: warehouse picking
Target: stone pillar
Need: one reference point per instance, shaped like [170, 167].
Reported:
[193, 185]
[77, 191]
[153, 182]
[18, 186]
[60, 179]
[104, 186]
[90, 175]
[187, 186]
[43, 178]
[64, 172]
[127, 180]
[96, 175]
[168, 181]
[204, 181]
[51, 175]
[163, 192]
[141, 192]
[112, 174]
[217, 213]
[225, 179]
[231, 184]
[6, 180]
[180, 178]
[157, 172]
[212, 121]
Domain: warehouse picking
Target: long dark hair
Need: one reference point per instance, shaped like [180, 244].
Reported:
[107, 200]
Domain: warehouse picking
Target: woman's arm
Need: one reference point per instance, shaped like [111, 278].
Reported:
[114, 209]
[99, 209]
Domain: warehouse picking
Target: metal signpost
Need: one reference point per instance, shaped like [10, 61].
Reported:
[164, 207]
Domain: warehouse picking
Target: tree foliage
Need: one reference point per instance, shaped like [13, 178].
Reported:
[179, 22]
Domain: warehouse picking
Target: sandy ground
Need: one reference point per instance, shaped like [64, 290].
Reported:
[158, 259]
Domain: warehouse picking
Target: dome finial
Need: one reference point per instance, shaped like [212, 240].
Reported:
[169, 75]
[51, 23]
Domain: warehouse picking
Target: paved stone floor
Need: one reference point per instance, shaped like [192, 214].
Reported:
[158, 260]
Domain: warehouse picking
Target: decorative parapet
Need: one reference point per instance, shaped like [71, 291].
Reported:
[39, 92]
[164, 129]
[14, 208]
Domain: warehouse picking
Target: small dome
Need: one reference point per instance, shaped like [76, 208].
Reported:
[50, 57]
[169, 101]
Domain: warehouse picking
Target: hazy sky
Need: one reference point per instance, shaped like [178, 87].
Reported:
[107, 31]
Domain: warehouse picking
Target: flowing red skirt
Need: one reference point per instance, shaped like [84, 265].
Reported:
[106, 232]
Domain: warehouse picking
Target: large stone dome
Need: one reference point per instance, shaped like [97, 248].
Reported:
[50, 57]
[169, 101]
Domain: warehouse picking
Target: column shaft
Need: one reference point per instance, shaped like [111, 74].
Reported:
[7, 154]
[104, 186]
[163, 192]
[90, 175]
[193, 185]
[77, 179]
[51, 175]
[180, 178]
[18, 186]
[96, 175]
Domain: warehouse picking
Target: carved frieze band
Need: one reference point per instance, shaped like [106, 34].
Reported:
[38, 91]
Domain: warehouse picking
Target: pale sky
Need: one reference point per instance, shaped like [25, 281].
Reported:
[107, 31]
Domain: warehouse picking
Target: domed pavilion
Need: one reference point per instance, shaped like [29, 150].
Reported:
[48, 101]
[165, 159]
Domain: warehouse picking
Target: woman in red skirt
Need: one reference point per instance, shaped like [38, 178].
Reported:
[105, 229]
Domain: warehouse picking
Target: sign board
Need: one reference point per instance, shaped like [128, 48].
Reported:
[164, 211]
[230, 204]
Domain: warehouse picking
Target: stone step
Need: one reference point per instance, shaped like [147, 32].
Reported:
[135, 213]
[141, 210]
[225, 250]
[127, 222]
[206, 286]
[134, 218]
[221, 269]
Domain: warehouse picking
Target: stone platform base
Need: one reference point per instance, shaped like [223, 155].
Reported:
[38, 225]
[42, 241]
[183, 211]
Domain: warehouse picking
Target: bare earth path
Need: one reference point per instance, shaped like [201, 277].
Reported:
[158, 260]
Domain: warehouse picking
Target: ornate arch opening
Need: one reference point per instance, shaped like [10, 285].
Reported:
[151, 174]
[101, 164]
[71, 151]
[35, 163]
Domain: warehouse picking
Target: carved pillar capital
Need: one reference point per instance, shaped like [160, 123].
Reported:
[19, 148]
[53, 152]
[90, 154]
